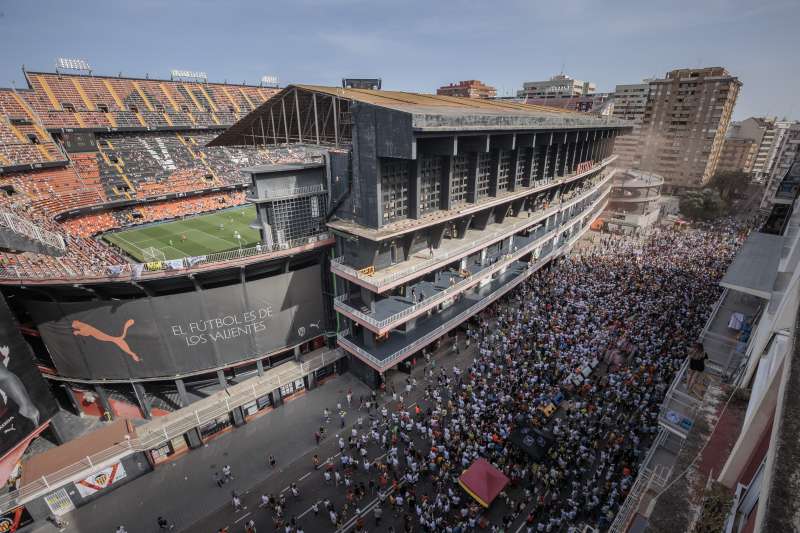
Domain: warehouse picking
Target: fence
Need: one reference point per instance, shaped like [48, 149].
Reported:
[158, 267]
[159, 432]
[29, 229]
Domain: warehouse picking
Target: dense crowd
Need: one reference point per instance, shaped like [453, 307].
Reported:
[630, 308]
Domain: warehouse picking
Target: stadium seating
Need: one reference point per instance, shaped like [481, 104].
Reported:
[167, 154]
[22, 140]
[71, 101]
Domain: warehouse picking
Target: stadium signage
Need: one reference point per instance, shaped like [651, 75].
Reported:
[177, 334]
[224, 328]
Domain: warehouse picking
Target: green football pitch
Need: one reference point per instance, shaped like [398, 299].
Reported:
[204, 234]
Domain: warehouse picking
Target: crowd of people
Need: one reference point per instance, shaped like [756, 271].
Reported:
[630, 308]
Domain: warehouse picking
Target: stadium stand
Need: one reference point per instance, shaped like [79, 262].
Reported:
[97, 102]
[143, 139]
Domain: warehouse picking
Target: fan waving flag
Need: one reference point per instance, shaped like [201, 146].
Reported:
[483, 482]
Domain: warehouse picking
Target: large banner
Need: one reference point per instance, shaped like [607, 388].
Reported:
[176, 334]
[25, 399]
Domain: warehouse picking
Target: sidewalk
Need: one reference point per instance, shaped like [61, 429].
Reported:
[184, 490]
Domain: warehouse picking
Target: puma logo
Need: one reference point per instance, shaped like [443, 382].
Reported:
[86, 330]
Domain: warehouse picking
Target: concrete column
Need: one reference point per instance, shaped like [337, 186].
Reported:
[141, 398]
[494, 172]
[512, 181]
[310, 381]
[448, 165]
[297, 353]
[181, 386]
[472, 179]
[103, 398]
[414, 186]
[222, 381]
[72, 400]
[260, 367]
[193, 438]
[483, 256]
[277, 397]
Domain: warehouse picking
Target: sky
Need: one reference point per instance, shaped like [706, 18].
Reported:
[417, 45]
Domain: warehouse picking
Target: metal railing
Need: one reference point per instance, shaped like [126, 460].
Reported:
[159, 432]
[157, 267]
[340, 305]
[27, 228]
[287, 192]
[489, 237]
[548, 250]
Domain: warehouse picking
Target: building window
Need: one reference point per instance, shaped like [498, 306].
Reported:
[394, 189]
[503, 170]
[484, 172]
[458, 185]
[522, 158]
[296, 218]
[430, 184]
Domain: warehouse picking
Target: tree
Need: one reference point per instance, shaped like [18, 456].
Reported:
[701, 204]
[730, 183]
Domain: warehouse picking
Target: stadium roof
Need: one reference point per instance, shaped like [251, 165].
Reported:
[313, 113]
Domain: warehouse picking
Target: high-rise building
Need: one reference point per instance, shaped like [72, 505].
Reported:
[559, 86]
[737, 155]
[468, 89]
[630, 102]
[685, 122]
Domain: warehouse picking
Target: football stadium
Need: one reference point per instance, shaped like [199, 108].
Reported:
[180, 258]
[192, 236]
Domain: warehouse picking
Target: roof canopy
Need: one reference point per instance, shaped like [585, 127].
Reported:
[755, 267]
[483, 481]
[323, 115]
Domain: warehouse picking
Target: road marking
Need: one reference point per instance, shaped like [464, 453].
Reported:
[307, 510]
[241, 518]
[305, 476]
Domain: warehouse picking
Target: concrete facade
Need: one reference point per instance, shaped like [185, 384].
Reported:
[684, 126]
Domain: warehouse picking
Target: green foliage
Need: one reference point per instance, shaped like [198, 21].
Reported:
[730, 184]
[703, 204]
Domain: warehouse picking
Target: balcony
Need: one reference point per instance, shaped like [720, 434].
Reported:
[454, 249]
[388, 313]
[400, 345]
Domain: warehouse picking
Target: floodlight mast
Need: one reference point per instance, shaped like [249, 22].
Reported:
[72, 64]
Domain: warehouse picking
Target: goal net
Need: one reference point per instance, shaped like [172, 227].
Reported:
[153, 254]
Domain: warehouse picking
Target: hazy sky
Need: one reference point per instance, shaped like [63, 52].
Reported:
[417, 45]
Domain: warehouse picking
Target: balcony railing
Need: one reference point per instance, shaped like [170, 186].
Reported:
[341, 305]
[489, 237]
[159, 432]
[548, 253]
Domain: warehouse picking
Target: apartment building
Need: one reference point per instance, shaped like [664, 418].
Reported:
[559, 86]
[687, 116]
[630, 103]
[468, 89]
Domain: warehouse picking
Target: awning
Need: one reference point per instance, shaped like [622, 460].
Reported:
[755, 267]
[483, 482]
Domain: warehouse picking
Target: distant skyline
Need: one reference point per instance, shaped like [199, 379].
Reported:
[415, 45]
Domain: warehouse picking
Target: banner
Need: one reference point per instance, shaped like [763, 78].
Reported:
[180, 333]
[100, 480]
[15, 520]
[25, 399]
